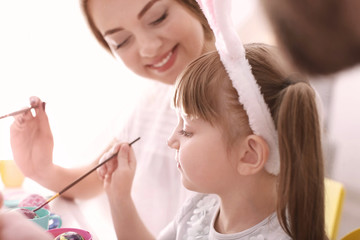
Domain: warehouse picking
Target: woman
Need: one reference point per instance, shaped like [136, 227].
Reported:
[155, 39]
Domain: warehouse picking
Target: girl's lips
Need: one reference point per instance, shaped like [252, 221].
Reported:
[165, 62]
[178, 164]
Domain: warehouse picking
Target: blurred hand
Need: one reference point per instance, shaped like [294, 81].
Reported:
[14, 226]
[32, 141]
[1, 199]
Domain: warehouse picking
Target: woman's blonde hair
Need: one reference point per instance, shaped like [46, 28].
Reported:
[204, 90]
[190, 5]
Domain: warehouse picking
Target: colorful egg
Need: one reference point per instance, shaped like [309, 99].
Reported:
[33, 200]
[69, 236]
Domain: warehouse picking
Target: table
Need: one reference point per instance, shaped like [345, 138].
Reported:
[91, 215]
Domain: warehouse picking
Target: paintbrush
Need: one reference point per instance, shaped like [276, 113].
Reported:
[17, 112]
[79, 179]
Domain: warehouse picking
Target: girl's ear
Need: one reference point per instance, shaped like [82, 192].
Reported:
[254, 152]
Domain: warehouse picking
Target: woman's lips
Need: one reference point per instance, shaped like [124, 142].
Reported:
[165, 62]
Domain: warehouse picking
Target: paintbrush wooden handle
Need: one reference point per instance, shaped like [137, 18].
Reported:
[79, 179]
[17, 112]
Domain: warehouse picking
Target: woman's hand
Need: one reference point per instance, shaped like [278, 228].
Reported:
[118, 173]
[32, 141]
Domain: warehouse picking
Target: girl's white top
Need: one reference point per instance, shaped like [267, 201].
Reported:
[196, 221]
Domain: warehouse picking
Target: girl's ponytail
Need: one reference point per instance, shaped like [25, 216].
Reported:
[301, 180]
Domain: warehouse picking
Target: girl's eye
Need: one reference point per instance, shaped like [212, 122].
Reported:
[159, 20]
[185, 133]
[123, 43]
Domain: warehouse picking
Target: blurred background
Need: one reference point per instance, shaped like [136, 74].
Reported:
[48, 51]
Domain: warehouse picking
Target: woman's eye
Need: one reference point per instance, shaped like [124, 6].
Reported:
[185, 133]
[159, 20]
[123, 43]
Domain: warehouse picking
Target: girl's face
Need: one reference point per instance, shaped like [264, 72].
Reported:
[202, 156]
[156, 39]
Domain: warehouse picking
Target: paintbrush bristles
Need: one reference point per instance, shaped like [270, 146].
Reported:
[50, 199]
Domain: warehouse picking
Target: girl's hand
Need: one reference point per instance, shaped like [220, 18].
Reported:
[118, 173]
[32, 141]
[109, 167]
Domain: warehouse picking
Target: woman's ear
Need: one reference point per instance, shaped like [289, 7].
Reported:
[254, 152]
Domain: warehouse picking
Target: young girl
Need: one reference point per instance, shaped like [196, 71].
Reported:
[219, 156]
[217, 152]
[247, 139]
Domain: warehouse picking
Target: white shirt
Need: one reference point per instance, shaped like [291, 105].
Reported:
[196, 221]
[157, 189]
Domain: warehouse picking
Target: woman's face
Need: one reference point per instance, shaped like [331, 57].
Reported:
[156, 39]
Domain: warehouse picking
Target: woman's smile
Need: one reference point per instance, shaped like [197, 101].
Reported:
[164, 62]
[156, 44]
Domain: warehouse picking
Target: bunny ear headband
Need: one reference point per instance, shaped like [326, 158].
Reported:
[232, 54]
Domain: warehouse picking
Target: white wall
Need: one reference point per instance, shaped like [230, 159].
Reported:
[47, 50]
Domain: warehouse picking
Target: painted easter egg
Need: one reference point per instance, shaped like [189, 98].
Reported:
[33, 200]
[69, 236]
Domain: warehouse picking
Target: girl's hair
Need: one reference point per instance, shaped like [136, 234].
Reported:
[204, 90]
[190, 5]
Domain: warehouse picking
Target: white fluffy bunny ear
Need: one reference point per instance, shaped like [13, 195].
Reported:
[232, 54]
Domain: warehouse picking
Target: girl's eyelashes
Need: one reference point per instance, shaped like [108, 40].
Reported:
[159, 20]
[185, 133]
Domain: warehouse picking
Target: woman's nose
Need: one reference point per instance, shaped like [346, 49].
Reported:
[149, 45]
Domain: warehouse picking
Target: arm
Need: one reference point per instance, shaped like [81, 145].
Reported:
[118, 176]
[32, 145]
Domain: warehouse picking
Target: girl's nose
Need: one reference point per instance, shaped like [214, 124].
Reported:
[149, 45]
[173, 142]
